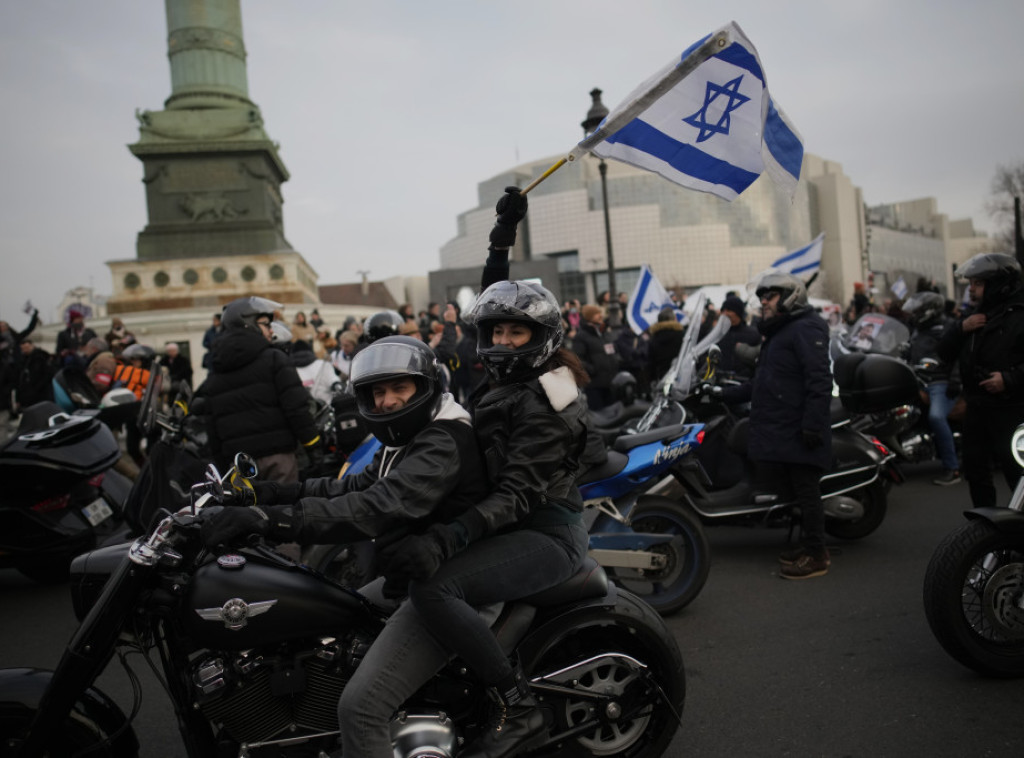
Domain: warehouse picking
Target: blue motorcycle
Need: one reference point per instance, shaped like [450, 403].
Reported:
[647, 543]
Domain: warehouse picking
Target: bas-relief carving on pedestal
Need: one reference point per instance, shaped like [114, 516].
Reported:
[217, 205]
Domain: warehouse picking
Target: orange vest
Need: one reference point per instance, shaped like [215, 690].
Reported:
[133, 378]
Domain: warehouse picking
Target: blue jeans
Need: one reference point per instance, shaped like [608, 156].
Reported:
[505, 567]
[938, 411]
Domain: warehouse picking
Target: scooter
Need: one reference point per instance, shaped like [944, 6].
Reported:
[718, 482]
[61, 494]
[902, 427]
[254, 651]
[974, 586]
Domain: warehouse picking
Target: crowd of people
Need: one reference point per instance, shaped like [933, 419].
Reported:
[483, 420]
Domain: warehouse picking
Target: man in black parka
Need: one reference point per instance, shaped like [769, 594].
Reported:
[790, 427]
[989, 342]
[253, 395]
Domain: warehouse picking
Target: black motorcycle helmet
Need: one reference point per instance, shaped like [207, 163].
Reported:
[244, 312]
[521, 301]
[1000, 272]
[791, 289]
[924, 307]
[382, 324]
[394, 358]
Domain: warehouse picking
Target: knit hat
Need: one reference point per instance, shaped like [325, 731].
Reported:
[736, 305]
[590, 312]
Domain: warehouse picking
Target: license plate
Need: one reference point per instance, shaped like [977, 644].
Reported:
[97, 511]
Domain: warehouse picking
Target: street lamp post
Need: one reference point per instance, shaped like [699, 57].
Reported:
[594, 117]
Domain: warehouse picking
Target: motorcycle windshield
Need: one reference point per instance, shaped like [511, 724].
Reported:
[878, 333]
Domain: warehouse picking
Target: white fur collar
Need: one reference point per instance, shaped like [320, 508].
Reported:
[560, 387]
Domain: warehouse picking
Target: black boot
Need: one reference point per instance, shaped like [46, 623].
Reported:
[515, 722]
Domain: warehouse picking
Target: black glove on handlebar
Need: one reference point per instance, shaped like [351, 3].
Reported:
[274, 493]
[234, 525]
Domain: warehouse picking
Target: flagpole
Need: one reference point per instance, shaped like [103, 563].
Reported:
[561, 162]
[711, 46]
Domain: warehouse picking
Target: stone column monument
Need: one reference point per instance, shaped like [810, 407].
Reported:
[213, 180]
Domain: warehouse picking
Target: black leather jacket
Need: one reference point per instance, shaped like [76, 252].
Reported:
[434, 478]
[532, 455]
[998, 346]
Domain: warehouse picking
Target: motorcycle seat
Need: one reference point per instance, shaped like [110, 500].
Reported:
[612, 465]
[516, 617]
[627, 442]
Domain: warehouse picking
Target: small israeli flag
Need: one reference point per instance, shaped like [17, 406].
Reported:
[647, 301]
[804, 260]
[899, 288]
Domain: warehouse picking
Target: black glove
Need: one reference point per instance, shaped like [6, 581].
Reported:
[419, 556]
[812, 440]
[511, 209]
[231, 525]
[223, 529]
[275, 493]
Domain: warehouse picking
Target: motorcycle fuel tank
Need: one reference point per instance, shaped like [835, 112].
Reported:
[239, 602]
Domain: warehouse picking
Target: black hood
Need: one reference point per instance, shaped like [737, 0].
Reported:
[236, 348]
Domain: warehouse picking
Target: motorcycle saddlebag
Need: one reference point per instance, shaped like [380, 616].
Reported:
[871, 383]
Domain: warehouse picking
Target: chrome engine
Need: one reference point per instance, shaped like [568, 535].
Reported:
[259, 698]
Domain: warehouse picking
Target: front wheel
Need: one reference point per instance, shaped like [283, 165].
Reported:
[687, 556]
[867, 511]
[974, 598]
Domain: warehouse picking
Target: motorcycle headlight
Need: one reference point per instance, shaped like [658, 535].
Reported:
[1017, 445]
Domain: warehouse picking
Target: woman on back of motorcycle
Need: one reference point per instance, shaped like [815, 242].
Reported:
[526, 535]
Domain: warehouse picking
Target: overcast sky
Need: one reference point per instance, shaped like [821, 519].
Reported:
[389, 113]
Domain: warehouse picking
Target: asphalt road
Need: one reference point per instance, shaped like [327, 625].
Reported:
[842, 665]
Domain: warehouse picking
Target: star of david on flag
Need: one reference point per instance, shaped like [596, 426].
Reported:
[804, 260]
[705, 121]
[647, 301]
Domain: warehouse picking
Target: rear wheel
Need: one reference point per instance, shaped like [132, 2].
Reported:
[628, 659]
[869, 504]
[687, 556]
[974, 598]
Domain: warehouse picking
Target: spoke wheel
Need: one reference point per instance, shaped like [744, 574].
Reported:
[974, 598]
[613, 735]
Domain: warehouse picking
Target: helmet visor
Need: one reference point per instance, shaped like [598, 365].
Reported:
[382, 361]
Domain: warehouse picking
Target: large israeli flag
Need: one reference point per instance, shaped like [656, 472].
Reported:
[804, 260]
[647, 301]
[705, 121]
